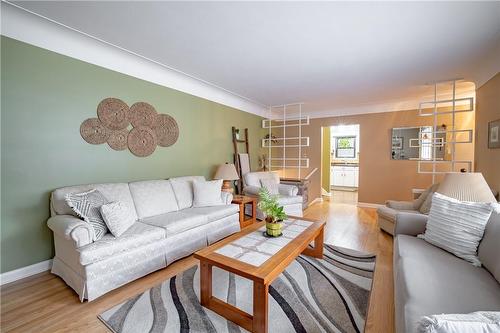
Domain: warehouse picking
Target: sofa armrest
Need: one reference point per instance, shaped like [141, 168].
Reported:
[411, 224]
[288, 190]
[252, 191]
[72, 228]
[400, 205]
[226, 197]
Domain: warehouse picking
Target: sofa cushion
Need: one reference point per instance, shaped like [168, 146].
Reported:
[457, 226]
[390, 213]
[207, 193]
[429, 281]
[289, 200]
[425, 206]
[183, 189]
[271, 186]
[112, 192]
[253, 178]
[176, 222]
[139, 234]
[215, 213]
[117, 217]
[489, 248]
[153, 197]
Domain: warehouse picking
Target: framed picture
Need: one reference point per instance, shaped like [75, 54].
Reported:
[494, 134]
[397, 143]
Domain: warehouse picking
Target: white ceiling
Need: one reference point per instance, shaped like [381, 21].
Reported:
[330, 55]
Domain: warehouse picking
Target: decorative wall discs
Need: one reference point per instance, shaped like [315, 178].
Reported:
[114, 117]
[94, 132]
[166, 130]
[142, 114]
[118, 139]
[141, 141]
[113, 113]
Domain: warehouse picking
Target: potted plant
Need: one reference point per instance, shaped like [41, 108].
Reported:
[275, 214]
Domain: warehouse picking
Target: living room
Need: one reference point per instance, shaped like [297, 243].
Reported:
[250, 166]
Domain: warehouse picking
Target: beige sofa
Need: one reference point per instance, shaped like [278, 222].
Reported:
[167, 228]
[429, 280]
[287, 197]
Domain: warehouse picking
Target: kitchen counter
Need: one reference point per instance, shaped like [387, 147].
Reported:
[346, 164]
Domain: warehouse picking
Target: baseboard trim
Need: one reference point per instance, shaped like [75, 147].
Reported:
[369, 205]
[315, 201]
[25, 272]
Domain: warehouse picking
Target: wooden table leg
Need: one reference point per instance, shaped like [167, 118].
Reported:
[260, 307]
[205, 283]
[317, 250]
[242, 215]
[254, 210]
[318, 244]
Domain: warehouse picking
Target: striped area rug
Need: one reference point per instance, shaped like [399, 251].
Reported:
[311, 295]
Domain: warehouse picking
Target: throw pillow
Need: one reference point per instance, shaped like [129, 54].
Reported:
[117, 217]
[87, 205]
[207, 193]
[183, 190]
[482, 321]
[425, 207]
[457, 226]
[271, 186]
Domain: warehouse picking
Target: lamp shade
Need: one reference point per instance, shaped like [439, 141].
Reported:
[226, 172]
[470, 186]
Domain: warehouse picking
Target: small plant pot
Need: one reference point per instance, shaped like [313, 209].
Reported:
[273, 229]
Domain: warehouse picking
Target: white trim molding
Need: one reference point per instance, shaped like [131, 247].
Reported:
[28, 27]
[315, 201]
[25, 272]
[369, 205]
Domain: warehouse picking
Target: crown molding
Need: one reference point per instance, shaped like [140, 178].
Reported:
[381, 107]
[28, 27]
[488, 66]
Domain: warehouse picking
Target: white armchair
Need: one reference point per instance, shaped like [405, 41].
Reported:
[288, 197]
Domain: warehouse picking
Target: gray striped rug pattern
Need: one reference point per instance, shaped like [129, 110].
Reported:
[311, 295]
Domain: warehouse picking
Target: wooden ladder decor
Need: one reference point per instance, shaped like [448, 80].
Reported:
[236, 141]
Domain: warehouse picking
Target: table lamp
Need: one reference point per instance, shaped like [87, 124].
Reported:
[470, 186]
[226, 172]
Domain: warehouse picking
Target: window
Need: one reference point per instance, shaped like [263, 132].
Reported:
[345, 147]
[426, 143]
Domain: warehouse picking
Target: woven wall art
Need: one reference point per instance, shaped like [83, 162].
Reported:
[139, 127]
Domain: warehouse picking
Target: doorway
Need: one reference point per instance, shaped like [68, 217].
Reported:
[340, 163]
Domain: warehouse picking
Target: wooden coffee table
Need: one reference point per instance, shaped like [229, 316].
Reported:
[251, 255]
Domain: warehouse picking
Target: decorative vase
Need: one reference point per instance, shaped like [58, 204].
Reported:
[273, 229]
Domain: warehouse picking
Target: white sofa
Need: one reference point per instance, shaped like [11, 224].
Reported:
[288, 197]
[167, 228]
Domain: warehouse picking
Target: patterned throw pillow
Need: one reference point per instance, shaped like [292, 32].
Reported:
[271, 186]
[117, 217]
[457, 226]
[87, 205]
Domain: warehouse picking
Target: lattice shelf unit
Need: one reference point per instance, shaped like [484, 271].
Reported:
[288, 121]
[452, 136]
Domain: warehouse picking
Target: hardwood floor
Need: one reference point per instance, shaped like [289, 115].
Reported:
[43, 303]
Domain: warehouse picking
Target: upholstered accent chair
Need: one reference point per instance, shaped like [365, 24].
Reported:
[413, 211]
[287, 196]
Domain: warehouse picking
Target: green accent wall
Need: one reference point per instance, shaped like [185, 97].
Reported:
[45, 97]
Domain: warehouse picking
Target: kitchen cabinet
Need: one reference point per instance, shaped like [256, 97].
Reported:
[347, 176]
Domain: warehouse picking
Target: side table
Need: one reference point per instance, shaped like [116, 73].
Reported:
[243, 200]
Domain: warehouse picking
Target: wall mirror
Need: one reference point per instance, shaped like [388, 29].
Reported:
[417, 143]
